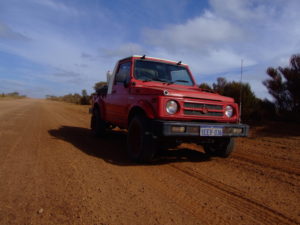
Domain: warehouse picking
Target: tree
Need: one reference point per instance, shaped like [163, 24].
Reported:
[13, 94]
[284, 86]
[250, 106]
[84, 93]
[220, 85]
[267, 110]
[99, 85]
[241, 92]
[205, 86]
[85, 98]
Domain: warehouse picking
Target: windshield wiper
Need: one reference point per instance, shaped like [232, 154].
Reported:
[164, 80]
[182, 81]
[161, 80]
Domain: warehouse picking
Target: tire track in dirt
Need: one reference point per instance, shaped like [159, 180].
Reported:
[201, 199]
[191, 204]
[8, 107]
[59, 116]
[238, 199]
[174, 191]
[270, 163]
[78, 179]
[63, 161]
[255, 160]
[15, 123]
[280, 175]
[24, 167]
[19, 164]
[13, 138]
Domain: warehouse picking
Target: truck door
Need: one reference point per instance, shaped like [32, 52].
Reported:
[117, 107]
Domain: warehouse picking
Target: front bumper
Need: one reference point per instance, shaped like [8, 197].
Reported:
[198, 129]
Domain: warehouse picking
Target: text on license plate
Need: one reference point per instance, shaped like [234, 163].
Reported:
[211, 131]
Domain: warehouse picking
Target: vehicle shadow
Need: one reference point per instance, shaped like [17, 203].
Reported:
[112, 147]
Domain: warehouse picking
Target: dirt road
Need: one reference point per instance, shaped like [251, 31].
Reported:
[53, 172]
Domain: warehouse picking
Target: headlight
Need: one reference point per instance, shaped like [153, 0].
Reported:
[171, 107]
[228, 111]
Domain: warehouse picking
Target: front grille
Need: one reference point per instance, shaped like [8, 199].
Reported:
[200, 113]
[201, 105]
[202, 109]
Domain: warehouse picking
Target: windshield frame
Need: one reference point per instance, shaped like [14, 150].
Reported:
[169, 82]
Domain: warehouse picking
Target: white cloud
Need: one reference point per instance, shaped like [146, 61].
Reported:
[61, 55]
[47, 50]
[213, 62]
[63, 42]
[262, 33]
[4, 83]
[7, 33]
[199, 34]
[82, 42]
[243, 10]
[124, 50]
[58, 6]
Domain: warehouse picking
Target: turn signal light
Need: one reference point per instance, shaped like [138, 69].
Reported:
[178, 129]
[232, 130]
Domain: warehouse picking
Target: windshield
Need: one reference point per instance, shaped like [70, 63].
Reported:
[161, 72]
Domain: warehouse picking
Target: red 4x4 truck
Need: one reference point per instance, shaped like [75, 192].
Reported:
[159, 103]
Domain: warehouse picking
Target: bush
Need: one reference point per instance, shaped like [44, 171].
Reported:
[72, 98]
[283, 84]
[12, 95]
[250, 104]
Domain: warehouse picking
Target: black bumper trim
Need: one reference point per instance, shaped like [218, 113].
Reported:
[163, 129]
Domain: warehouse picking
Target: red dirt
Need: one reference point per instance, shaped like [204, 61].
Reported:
[53, 172]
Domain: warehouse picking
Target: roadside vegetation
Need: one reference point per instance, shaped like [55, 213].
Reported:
[14, 95]
[83, 99]
[283, 85]
[253, 108]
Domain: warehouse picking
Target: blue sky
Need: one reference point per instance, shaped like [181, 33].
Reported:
[63, 46]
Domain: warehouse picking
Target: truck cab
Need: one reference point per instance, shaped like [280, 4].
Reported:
[160, 104]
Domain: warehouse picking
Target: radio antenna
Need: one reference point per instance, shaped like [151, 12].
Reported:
[241, 89]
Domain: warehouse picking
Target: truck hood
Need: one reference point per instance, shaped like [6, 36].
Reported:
[181, 92]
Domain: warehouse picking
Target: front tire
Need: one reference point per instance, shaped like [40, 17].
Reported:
[222, 147]
[141, 147]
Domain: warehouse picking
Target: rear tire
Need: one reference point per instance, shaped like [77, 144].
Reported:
[141, 147]
[97, 124]
[222, 147]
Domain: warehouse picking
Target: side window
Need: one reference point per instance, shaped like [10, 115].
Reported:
[123, 72]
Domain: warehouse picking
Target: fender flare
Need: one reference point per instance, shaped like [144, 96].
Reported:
[142, 107]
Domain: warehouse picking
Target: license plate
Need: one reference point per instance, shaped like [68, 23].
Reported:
[211, 131]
